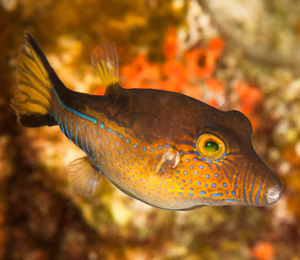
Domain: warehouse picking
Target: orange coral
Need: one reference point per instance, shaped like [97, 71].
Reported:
[263, 251]
[201, 61]
[170, 47]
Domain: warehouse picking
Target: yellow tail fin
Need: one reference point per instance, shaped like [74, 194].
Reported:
[32, 102]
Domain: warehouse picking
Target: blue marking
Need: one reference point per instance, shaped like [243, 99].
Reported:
[102, 125]
[235, 181]
[113, 132]
[180, 193]
[199, 183]
[76, 133]
[62, 128]
[171, 187]
[226, 175]
[202, 192]
[66, 127]
[190, 143]
[178, 183]
[187, 160]
[159, 147]
[216, 195]
[258, 193]
[121, 136]
[144, 149]
[201, 167]
[71, 124]
[191, 188]
[172, 192]
[92, 139]
[207, 176]
[196, 173]
[216, 175]
[224, 185]
[252, 191]
[151, 149]
[191, 167]
[244, 184]
[205, 185]
[183, 181]
[191, 194]
[190, 181]
[185, 173]
[86, 140]
[233, 193]
[192, 152]
[231, 200]
[135, 146]
[72, 110]
[214, 185]
[142, 158]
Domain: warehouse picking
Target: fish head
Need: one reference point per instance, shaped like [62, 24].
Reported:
[220, 166]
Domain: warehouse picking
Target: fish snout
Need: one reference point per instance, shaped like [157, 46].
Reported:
[274, 194]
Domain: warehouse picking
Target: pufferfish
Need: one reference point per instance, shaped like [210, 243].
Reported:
[163, 148]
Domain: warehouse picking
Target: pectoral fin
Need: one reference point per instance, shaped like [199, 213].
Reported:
[83, 177]
[170, 157]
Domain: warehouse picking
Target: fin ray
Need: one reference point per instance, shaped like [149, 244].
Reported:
[105, 59]
[83, 177]
[34, 88]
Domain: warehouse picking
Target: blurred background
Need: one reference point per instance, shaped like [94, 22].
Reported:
[245, 52]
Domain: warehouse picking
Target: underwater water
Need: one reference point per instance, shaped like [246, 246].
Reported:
[179, 46]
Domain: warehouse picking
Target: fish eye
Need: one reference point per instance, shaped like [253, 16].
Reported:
[210, 147]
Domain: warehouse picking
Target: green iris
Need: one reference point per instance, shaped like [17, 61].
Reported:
[211, 147]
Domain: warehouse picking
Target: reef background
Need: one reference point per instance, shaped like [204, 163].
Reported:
[247, 52]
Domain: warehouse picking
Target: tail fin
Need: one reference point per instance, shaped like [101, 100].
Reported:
[32, 102]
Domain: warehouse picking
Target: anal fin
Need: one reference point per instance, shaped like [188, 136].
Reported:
[83, 177]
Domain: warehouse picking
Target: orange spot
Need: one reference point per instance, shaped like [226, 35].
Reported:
[249, 97]
[99, 91]
[175, 75]
[263, 251]
[170, 47]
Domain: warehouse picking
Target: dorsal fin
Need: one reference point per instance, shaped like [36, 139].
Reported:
[105, 59]
[226, 106]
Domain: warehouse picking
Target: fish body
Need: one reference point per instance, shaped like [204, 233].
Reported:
[163, 148]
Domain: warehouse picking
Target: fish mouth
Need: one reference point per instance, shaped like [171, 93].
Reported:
[273, 195]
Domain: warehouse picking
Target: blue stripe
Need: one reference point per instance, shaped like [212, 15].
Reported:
[191, 152]
[244, 184]
[66, 127]
[71, 124]
[84, 135]
[186, 142]
[235, 181]
[111, 131]
[72, 110]
[258, 193]
[252, 190]
[92, 139]
[76, 133]
[216, 195]
[226, 174]
[231, 200]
